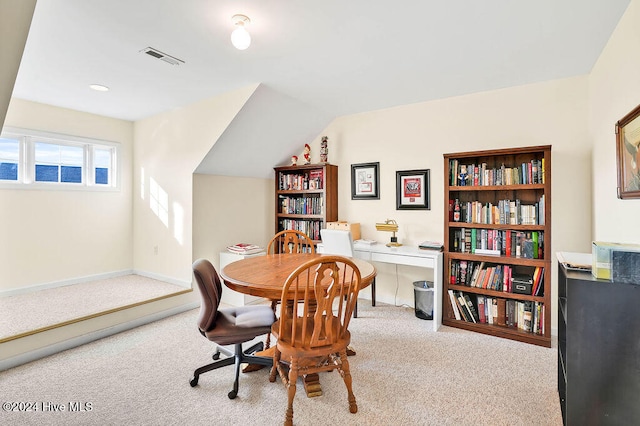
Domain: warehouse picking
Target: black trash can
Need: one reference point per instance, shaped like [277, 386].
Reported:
[423, 299]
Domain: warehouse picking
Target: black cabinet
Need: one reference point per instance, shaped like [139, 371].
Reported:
[598, 350]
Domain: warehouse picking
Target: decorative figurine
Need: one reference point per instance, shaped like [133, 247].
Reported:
[294, 160]
[463, 176]
[307, 154]
[323, 150]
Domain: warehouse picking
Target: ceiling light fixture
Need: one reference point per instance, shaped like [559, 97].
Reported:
[99, 87]
[240, 37]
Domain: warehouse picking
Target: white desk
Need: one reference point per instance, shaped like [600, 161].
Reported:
[412, 256]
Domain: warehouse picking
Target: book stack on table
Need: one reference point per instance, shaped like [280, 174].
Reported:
[244, 248]
[431, 245]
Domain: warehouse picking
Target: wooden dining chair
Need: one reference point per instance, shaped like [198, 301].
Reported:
[288, 241]
[291, 241]
[317, 303]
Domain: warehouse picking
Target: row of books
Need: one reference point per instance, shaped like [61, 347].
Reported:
[499, 242]
[527, 316]
[309, 227]
[527, 280]
[301, 205]
[532, 172]
[506, 212]
[312, 179]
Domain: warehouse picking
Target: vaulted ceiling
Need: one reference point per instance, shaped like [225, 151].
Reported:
[331, 57]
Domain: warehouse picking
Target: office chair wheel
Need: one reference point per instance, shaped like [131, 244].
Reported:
[216, 355]
[194, 382]
[232, 394]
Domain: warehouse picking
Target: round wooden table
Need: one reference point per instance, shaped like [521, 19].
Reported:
[263, 276]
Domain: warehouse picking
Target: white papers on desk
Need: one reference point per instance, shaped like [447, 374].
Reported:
[365, 242]
[575, 261]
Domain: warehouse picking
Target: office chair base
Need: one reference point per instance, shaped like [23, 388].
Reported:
[238, 357]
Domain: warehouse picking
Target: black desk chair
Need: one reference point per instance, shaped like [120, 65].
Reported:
[228, 326]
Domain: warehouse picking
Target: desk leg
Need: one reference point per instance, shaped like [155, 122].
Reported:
[373, 292]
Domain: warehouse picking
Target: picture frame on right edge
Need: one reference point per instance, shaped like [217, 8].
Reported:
[628, 154]
[365, 181]
[412, 190]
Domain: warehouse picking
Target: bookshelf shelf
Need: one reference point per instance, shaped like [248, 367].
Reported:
[499, 203]
[306, 198]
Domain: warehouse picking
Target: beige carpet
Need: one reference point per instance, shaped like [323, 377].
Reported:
[31, 311]
[403, 374]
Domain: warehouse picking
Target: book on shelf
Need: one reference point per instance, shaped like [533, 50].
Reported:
[487, 252]
[482, 313]
[472, 308]
[462, 307]
[512, 321]
[502, 312]
[454, 305]
[244, 248]
[537, 279]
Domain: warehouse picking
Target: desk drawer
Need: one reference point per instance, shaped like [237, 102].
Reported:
[401, 259]
[364, 255]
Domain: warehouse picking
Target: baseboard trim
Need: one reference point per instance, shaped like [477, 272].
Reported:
[62, 283]
[88, 278]
[158, 277]
[92, 336]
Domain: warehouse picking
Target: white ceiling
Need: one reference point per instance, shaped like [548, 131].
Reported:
[336, 56]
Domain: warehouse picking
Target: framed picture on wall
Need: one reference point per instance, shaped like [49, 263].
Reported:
[365, 181]
[412, 190]
[628, 154]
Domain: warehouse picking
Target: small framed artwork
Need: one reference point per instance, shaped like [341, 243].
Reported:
[412, 190]
[365, 181]
[628, 154]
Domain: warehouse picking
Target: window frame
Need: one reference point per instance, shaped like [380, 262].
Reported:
[27, 164]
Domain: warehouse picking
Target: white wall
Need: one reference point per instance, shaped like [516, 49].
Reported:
[57, 235]
[415, 137]
[614, 90]
[169, 147]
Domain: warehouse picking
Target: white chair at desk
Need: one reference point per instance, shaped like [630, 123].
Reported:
[340, 242]
[337, 241]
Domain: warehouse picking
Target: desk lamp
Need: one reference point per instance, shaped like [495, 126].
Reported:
[390, 225]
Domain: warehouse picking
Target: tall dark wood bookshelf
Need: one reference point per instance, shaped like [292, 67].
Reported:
[521, 179]
[306, 198]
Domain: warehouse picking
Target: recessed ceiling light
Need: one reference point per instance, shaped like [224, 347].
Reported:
[99, 87]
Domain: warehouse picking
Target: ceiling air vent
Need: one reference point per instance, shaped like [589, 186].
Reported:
[155, 53]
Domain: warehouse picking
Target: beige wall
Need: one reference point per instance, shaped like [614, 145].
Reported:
[229, 210]
[169, 147]
[415, 137]
[58, 235]
[15, 21]
[614, 90]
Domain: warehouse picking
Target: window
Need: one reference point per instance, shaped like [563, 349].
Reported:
[9, 159]
[102, 160]
[58, 163]
[50, 160]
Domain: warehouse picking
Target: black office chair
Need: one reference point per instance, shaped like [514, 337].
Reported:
[228, 326]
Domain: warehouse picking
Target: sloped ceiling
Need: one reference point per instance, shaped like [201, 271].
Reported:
[333, 56]
[268, 129]
[15, 20]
